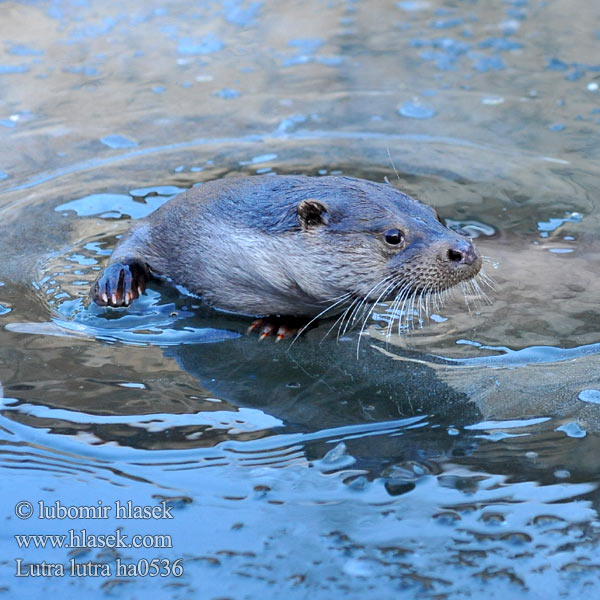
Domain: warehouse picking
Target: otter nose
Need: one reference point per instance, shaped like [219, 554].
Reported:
[462, 252]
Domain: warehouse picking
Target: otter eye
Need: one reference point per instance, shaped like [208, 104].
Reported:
[393, 237]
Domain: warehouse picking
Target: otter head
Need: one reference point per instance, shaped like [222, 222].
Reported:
[383, 244]
[426, 256]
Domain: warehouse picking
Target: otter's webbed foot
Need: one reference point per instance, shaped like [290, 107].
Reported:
[281, 328]
[120, 284]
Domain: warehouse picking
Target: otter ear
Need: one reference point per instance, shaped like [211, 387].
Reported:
[312, 212]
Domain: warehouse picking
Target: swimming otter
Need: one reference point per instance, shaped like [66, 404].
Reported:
[289, 245]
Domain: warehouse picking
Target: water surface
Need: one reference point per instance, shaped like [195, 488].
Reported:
[459, 460]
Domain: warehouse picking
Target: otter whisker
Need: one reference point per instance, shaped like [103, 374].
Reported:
[476, 295]
[482, 296]
[438, 299]
[393, 310]
[341, 300]
[419, 308]
[434, 300]
[423, 304]
[351, 314]
[483, 293]
[404, 311]
[435, 296]
[465, 291]
[412, 310]
[410, 305]
[479, 284]
[365, 302]
[344, 296]
[401, 296]
[484, 273]
[369, 313]
[346, 318]
[468, 287]
[419, 305]
[392, 162]
[386, 292]
[486, 279]
[427, 299]
[340, 318]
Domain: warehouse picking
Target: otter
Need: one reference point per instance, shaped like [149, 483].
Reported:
[289, 246]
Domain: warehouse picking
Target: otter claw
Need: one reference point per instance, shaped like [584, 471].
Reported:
[267, 331]
[281, 328]
[284, 332]
[119, 284]
[253, 326]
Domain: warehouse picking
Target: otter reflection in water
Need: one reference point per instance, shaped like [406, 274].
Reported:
[294, 246]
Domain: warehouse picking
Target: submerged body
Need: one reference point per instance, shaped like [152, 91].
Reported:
[289, 245]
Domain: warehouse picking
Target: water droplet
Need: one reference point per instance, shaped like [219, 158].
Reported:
[118, 141]
[414, 110]
[572, 430]
[591, 395]
[10, 69]
[336, 458]
[414, 6]
[492, 100]
[493, 518]
[357, 568]
[437, 318]
[447, 518]
[208, 44]
[562, 474]
[227, 93]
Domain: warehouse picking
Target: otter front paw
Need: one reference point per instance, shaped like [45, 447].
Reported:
[119, 284]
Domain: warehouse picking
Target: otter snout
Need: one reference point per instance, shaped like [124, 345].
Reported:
[457, 260]
[461, 252]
